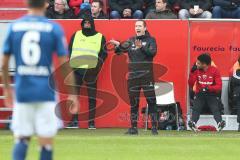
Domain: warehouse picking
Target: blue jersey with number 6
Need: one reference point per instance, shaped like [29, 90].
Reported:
[33, 40]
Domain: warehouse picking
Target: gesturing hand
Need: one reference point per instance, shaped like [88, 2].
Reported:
[114, 42]
[138, 43]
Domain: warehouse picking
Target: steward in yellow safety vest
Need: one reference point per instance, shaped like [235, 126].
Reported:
[87, 55]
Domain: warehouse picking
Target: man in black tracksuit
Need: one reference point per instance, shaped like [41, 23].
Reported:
[141, 52]
[235, 93]
[88, 75]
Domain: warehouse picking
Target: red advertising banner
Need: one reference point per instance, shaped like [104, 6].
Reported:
[220, 39]
[170, 65]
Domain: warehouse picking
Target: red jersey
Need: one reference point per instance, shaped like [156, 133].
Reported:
[75, 4]
[210, 78]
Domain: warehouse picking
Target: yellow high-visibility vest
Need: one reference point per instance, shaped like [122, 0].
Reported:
[85, 50]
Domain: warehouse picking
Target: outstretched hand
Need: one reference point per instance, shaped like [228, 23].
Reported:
[114, 42]
[138, 43]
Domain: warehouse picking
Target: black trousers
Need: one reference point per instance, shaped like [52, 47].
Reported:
[134, 87]
[202, 99]
[238, 110]
[236, 100]
[91, 84]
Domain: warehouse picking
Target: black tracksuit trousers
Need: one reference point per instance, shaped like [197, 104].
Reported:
[91, 83]
[238, 110]
[202, 99]
[237, 106]
[134, 87]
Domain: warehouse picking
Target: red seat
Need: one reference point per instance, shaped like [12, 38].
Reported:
[12, 4]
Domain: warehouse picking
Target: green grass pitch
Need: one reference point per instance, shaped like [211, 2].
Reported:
[112, 144]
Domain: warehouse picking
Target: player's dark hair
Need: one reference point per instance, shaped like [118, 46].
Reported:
[205, 58]
[36, 3]
[144, 22]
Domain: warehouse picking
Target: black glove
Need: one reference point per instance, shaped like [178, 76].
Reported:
[125, 46]
[194, 68]
[204, 90]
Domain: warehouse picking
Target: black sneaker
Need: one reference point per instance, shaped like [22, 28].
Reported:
[91, 125]
[221, 125]
[154, 131]
[72, 125]
[239, 127]
[132, 131]
[193, 126]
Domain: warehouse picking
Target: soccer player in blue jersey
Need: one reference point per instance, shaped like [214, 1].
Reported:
[32, 40]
